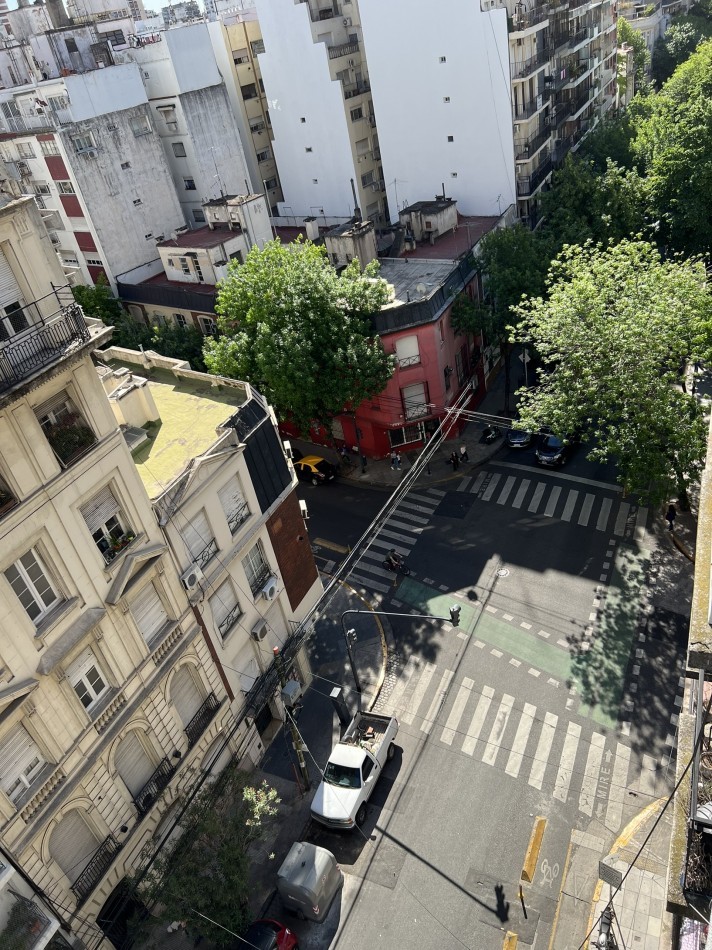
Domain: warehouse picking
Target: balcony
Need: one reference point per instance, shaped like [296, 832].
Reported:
[96, 869]
[527, 148]
[322, 13]
[528, 184]
[148, 795]
[25, 924]
[237, 516]
[527, 19]
[70, 438]
[356, 88]
[529, 66]
[409, 361]
[344, 49]
[206, 554]
[532, 107]
[225, 625]
[580, 36]
[32, 341]
[202, 719]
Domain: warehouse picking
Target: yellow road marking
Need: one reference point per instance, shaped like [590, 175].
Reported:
[532, 856]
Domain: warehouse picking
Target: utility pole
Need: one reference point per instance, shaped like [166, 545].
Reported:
[296, 738]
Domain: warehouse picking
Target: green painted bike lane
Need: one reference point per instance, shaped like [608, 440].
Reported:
[596, 672]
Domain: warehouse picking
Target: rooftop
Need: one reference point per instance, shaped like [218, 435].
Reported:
[161, 280]
[429, 207]
[201, 237]
[414, 280]
[470, 229]
[190, 411]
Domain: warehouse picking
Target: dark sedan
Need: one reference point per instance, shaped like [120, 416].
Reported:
[553, 451]
[519, 439]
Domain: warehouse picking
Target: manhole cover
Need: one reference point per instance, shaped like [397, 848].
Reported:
[503, 572]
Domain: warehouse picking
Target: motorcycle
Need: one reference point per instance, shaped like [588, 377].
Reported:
[397, 565]
[490, 435]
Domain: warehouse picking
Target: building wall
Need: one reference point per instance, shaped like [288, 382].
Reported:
[404, 45]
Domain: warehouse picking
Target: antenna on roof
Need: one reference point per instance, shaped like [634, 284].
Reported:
[357, 210]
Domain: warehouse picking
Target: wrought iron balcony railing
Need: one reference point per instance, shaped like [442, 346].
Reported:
[259, 578]
[96, 869]
[202, 719]
[202, 558]
[238, 516]
[226, 624]
[148, 795]
[343, 49]
[528, 66]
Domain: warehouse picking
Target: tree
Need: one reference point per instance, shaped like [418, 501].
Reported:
[617, 325]
[207, 868]
[512, 262]
[180, 343]
[98, 301]
[300, 332]
[641, 55]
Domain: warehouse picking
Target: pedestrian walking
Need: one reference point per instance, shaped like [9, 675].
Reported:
[670, 516]
[398, 461]
[455, 459]
[344, 453]
[394, 460]
[464, 457]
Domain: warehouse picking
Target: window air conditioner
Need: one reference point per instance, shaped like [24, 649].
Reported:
[269, 591]
[259, 631]
[192, 577]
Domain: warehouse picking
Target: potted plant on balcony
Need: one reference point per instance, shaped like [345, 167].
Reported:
[118, 544]
[24, 925]
[70, 437]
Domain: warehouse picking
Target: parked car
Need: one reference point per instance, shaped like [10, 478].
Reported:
[553, 451]
[519, 439]
[309, 880]
[314, 469]
[268, 935]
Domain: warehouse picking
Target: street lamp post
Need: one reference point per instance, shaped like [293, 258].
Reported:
[350, 635]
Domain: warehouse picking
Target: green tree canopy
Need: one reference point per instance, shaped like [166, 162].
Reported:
[180, 343]
[98, 301]
[207, 869]
[612, 335]
[641, 54]
[300, 332]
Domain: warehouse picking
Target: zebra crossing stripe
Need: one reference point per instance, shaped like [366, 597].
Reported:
[387, 545]
[593, 766]
[432, 503]
[516, 756]
[640, 520]
[619, 780]
[465, 483]
[416, 519]
[480, 714]
[398, 536]
[401, 684]
[551, 503]
[606, 505]
[504, 494]
[458, 708]
[404, 526]
[489, 491]
[623, 512]
[521, 493]
[537, 497]
[417, 506]
[439, 698]
[418, 693]
[478, 483]
[571, 499]
[566, 762]
[586, 509]
[543, 749]
[369, 582]
[497, 730]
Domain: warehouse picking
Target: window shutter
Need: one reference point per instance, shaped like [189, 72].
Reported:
[52, 405]
[98, 511]
[148, 612]
[197, 535]
[19, 755]
[73, 845]
[231, 497]
[185, 694]
[133, 764]
[223, 601]
[9, 289]
[79, 667]
[407, 348]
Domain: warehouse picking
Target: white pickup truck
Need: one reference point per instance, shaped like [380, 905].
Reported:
[353, 769]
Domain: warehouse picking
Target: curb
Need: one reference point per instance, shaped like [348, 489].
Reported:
[430, 480]
[382, 634]
[682, 548]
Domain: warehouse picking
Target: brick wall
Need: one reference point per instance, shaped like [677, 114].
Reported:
[294, 557]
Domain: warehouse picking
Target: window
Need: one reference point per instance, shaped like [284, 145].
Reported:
[241, 57]
[49, 148]
[180, 319]
[184, 265]
[265, 155]
[86, 679]
[256, 568]
[71, 44]
[367, 179]
[198, 216]
[21, 763]
[125, 165]
[407, 351]
[199, 540]
[168, 113]
[208, 326]
[137, 202]
[149, 613]
[107, 524]
[31, 582]
[41, 188]
[66, 431]
[443, 59]
[65, 188]
[453, 174]
[25, 150]
[356, 114]
[257, 126]
[308, 149]
[303, 120]
[178, 149]
[271, 183]
[258, 46]
[83, 142]
[415, 400]
[446, 376]
[115, 37]
[366, 768]
[249, 91]
[140, 124]
[225, 607]
[451, 138]
[94, 262]
[446, 98]
[233, 504]
[189, 184]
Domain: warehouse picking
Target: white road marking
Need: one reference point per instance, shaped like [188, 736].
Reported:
[536, 497]
[504, 494]
[489, 491]
[521, 492]
[621, 519]
[429, 721]
[552, 502]
[404, 526]
[586, 509]
[420, 689]
[478, 483]
[368, 582]
[401, 683]
[514, 763]
[561, 475]
[497, 731]
[587, 797]
[614, 812]
[640, 520]
[458, 708]
[465, 483]
[543, 750]
[478, 719]
[606, 504]
[571, 499]
[566, 762]
[416, 519]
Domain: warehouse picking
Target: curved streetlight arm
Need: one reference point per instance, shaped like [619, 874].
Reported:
[453, 618]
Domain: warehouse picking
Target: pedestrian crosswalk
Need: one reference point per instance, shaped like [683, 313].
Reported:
[402, 530]
[568, 760]
[573, 505]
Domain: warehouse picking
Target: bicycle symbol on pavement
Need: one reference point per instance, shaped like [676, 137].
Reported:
[549, 872]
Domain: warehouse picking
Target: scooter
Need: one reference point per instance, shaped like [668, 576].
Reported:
[605, 936]
[397, 565]
[490, 435]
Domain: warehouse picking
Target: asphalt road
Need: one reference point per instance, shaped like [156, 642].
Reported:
[527, 709]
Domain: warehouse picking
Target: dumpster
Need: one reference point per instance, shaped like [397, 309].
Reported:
[309, 880]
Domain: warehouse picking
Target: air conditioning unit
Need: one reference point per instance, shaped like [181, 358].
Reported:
[287, 446]
[346, 21]
[269, 591]
[112, 128]
[259, 631]
[303, 510]
[192, 577]
[90, 153]
[352, 63]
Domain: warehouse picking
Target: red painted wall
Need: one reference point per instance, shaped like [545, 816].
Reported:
[57, 168]
[85, 241]
[71, 206]
[94, 273]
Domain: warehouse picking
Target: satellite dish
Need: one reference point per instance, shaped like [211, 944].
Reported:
[421, 288]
